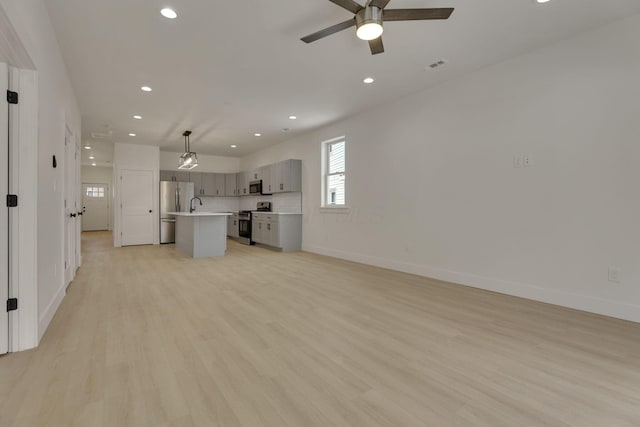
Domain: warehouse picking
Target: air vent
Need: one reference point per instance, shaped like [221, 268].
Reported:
[437, 64]
[100, 135]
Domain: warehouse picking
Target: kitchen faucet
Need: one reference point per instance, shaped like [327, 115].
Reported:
[191, 208]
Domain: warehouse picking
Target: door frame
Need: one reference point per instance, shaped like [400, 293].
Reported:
[23, 220]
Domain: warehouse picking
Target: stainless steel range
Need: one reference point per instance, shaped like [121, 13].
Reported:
[244, 227]
[244, 223]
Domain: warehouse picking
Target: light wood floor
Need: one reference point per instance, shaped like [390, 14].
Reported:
[149, 337]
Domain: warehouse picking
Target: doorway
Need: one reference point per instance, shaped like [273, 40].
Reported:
[95, 207]
[136, 207]
[70, 207]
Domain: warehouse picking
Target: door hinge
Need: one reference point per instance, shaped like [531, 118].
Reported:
[12, 200]
[12, 97]
[12, 304]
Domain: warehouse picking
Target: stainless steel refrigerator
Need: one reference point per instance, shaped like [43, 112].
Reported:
[174, 197]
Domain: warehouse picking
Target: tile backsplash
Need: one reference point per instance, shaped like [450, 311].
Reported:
[285, 202]
[218, 204]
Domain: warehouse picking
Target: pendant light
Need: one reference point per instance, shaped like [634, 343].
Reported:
[189, 159]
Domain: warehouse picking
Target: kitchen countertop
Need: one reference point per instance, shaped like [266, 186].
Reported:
[200, 213]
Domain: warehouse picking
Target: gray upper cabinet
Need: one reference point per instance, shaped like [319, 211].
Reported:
[219, 188]
[281, 177]
[286, 176]
[180, 176]
[208, 184]
[267, 186]
[255, 175]
[243, 179]
[230, 187]
[167, 176]
[196, 178]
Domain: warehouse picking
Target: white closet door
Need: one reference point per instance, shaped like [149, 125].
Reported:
[136, 189]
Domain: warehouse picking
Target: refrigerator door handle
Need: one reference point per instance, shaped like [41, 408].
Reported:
[178, 198]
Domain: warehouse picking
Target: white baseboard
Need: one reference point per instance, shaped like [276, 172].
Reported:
[551, 296]
[50, 311]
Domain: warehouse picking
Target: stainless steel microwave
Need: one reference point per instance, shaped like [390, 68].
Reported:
[255, 187]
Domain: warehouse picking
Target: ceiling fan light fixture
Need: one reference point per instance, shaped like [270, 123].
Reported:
[369, 23]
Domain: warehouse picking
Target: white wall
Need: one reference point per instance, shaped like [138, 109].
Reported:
[206, 163]
[96, 174]
[136, 157]
[433, 191]
[56, 107]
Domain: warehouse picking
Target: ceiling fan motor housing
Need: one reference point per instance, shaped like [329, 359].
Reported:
[369, 15]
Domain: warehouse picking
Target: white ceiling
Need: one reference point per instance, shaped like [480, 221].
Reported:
[229, 69]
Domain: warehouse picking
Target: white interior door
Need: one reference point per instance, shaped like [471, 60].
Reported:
[70, 208]
[136, 190]
[4, 211]
[95, 207]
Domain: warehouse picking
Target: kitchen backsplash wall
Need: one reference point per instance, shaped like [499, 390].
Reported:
[286, 202]
[218, 204]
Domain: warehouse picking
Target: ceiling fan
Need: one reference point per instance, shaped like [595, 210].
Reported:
[368, 20]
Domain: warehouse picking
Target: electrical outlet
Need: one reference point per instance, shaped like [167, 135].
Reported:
[518, 161]
[526, 161]
[614, 274]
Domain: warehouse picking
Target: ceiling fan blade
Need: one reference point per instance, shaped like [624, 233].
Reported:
[350, 5]
[379, 3]
[328, 31]
[417, 14]
[376, 46]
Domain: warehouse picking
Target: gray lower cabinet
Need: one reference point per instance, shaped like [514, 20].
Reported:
[277, 230]
[232, 225]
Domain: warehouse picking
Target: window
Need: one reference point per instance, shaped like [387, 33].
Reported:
[95, 191]
[334, 173]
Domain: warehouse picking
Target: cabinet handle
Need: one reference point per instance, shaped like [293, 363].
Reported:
[281, 186]
[269, 227]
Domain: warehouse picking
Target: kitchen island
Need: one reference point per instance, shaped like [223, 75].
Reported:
[201, 234]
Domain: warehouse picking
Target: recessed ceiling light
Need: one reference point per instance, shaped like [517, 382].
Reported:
[368, 80]
[92, 157]
[292, 117]
[257, 134]
[146, 89]
[93, 164]
[169, 13]
[137, 117]
[234, 146]
[132, 134]
[542, 1]
[86, 147]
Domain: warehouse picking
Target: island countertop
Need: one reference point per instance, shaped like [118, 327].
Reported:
[200, 213]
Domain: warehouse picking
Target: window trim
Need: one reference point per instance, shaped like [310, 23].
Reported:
[324, 206]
